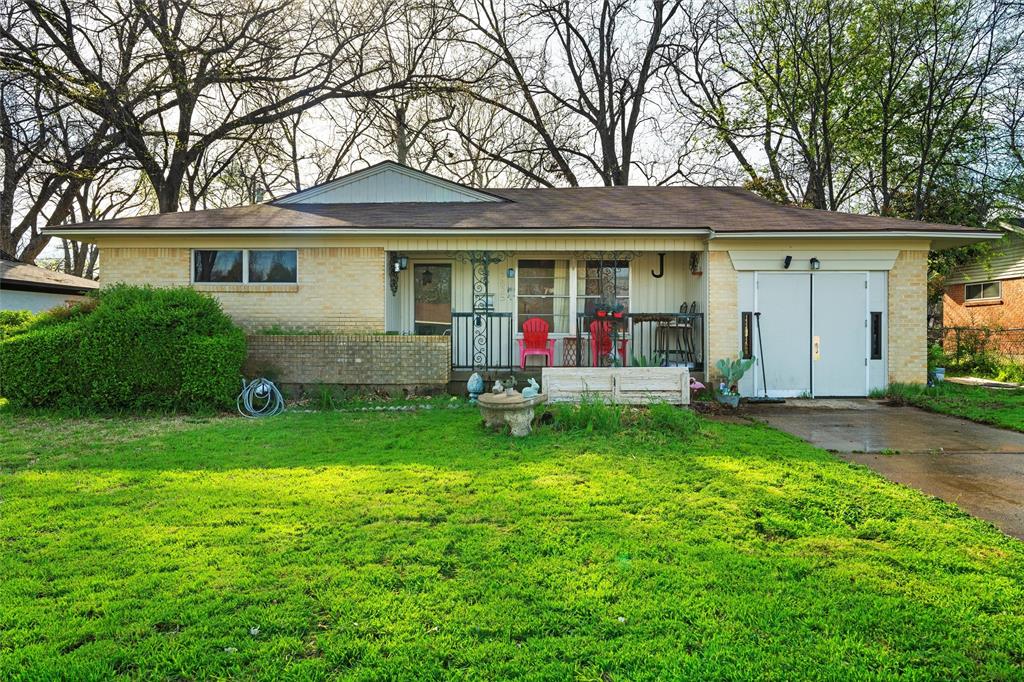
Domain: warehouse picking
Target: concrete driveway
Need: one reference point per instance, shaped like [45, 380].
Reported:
[979, 468]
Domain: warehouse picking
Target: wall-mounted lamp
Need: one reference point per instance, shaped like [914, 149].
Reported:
[815, 264]
[786, 263]
[397, 264]
[510, 273]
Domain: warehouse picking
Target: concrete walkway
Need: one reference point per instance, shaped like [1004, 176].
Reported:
[979, 468]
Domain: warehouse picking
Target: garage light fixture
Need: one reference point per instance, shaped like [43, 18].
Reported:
[785, 263]
[815, 264]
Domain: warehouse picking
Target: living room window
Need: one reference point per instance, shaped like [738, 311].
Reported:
[244, 266]
[543, 291]
[602, 281]
[983, 291]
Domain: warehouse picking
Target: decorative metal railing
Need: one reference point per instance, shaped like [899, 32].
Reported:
[486, 341]
[482, 340]
[640, 338]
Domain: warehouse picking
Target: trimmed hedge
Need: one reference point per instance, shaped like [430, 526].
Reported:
[15, 321]
[134, 348]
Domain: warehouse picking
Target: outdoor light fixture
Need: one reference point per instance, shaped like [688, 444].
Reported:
[815, 264]
[510, 273]
[785, 263]
[396, 263]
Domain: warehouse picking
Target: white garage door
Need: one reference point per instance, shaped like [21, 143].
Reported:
[814, 330]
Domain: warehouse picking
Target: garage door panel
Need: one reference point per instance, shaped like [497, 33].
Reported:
[839, 333]
[783, 299]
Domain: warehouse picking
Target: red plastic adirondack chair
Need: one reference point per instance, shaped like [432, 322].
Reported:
[601, 342]
[535, 341]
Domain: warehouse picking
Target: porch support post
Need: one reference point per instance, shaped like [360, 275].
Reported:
[480, 263]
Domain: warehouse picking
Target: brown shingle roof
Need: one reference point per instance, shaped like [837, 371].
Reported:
[15, 274]
[720, 209]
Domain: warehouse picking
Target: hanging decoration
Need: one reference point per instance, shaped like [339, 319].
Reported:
[661, 266]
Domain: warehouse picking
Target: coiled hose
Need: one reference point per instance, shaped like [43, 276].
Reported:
[259, 398]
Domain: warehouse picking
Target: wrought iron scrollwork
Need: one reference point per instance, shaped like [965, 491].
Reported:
[480, 263]
[393, 272]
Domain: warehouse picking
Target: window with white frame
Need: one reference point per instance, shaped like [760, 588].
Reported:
[543, 291]
[244, 266]
[600, 281]
[983, 291]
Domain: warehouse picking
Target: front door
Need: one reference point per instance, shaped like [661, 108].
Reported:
[432, 298]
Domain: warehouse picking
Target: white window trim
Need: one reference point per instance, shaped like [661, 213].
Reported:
[997, 297]
[570, 273]
[573, 275]
[245, 269]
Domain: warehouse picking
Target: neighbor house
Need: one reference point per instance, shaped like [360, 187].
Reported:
[989, 292]
[24, 286]
[407, 275]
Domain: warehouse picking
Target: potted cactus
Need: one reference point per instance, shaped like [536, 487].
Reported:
[731, 372]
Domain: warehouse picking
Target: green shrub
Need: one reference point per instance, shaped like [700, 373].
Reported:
[15, 321]
[212, 369]
[134, 348]
[39, 367]
[936, 357]
[1011, 371]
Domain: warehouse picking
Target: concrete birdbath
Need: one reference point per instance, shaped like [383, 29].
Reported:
[513, 409]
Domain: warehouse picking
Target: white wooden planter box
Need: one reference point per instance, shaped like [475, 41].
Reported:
[625, 385]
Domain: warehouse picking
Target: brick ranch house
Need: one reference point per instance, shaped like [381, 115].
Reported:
[988, 293]
[413, 279]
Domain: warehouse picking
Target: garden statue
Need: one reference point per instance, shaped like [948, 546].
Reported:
[531, 390]
[498, 387]
[475, 386]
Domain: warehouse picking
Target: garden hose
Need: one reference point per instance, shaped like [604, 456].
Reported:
[259, 398]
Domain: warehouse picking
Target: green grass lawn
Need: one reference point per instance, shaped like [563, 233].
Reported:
[417, 546]
[999, 407]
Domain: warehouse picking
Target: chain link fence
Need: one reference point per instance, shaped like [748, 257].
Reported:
[990, 353]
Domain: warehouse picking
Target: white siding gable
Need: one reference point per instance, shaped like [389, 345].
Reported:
[1006, 263]
[387, 183]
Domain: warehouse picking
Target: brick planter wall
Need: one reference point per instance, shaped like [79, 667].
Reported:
[377, 361]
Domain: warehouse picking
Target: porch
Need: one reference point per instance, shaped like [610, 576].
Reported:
[599, 308]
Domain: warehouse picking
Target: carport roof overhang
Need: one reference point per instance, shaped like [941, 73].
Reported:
[940, 239]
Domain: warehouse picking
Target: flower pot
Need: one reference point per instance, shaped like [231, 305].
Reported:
[617, 316]
[730, 400]
[602, 313]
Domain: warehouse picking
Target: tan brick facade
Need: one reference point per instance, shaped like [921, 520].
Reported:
[340, 289]
[385, 361]
[723, 309]
[908, 318]
[1006, 313]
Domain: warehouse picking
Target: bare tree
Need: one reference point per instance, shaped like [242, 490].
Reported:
[175, 78]
[49, 151]
[582, 74]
